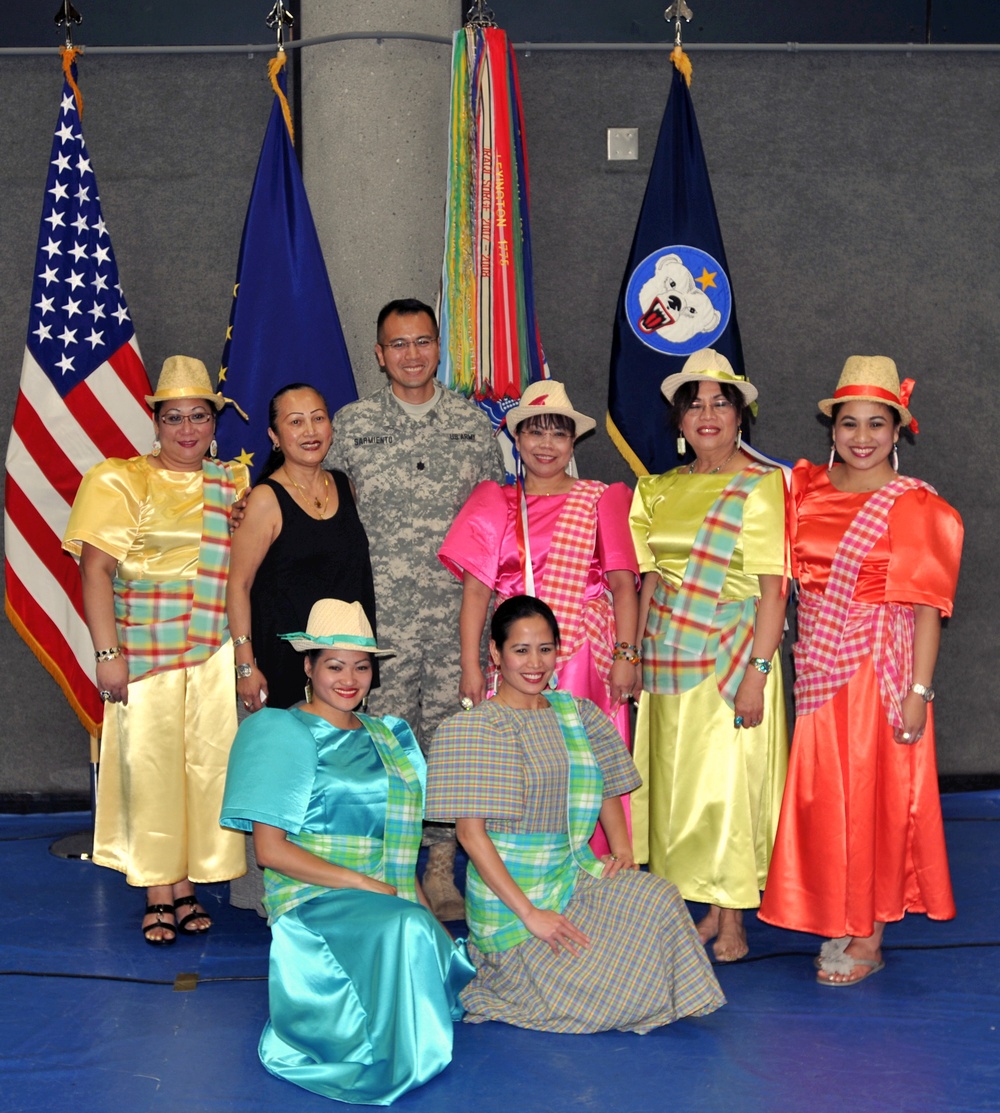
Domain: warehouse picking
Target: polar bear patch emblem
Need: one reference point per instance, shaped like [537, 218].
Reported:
[678, 300]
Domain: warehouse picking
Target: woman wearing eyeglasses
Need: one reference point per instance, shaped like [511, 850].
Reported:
[711, 741]
[152, 537]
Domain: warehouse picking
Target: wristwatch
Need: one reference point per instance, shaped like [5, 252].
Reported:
[244, 670]
[923, 690]
[761, 664]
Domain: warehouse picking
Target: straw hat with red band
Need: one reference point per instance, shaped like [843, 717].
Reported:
[873, 379]
[546, 396]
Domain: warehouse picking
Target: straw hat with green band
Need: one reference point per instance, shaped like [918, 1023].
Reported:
[334, 624]
[707, 366]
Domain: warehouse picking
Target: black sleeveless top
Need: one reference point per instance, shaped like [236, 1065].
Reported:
[310, 559]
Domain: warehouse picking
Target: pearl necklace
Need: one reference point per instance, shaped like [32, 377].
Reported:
[714, 471]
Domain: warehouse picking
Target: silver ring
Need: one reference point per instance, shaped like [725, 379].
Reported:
[906, 736]
[246, 704]
[466, 703]
[105, 694]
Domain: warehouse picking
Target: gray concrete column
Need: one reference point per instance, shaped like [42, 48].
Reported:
[375, 147]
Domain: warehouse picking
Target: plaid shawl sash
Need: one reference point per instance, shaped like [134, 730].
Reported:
[391, 859]
[690, 633]
[836, 633]
[544, 865]
[173, 624]
[563, 584]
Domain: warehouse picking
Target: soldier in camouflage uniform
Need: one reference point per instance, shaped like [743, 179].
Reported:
[414, 451]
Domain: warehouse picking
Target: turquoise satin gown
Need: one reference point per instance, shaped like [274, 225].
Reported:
[363, 988]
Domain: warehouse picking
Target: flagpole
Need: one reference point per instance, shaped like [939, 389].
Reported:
[81, 843]
[80, 401]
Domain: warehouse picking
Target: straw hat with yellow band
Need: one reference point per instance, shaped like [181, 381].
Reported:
[873, 379]
[546, 396]
[184, 377]
[709, 365]
[334, 624]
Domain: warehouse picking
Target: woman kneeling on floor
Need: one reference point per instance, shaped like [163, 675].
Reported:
[364, 982]
[562, 941]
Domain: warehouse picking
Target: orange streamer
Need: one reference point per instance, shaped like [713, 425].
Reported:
[69, 54]
[274, 67]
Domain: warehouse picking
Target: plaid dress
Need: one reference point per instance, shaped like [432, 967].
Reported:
[645, 966]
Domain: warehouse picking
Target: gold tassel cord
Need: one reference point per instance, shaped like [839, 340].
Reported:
[682, 62]
[274, 67]
[69, 54]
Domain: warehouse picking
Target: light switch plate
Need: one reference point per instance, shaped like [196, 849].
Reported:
[623, 143]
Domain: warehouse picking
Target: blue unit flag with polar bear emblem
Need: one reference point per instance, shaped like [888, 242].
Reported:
[676, 297]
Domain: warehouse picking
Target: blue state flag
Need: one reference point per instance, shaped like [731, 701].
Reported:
[283, 326]
[676, 296]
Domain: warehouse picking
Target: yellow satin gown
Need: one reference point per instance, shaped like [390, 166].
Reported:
[707, 812]
[164, 755]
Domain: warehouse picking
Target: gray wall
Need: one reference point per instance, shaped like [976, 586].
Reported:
[857, 198]
[174, 143]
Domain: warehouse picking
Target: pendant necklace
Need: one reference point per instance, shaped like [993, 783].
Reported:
[715, 471]
[320, 506]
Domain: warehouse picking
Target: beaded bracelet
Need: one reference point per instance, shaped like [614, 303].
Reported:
[108, 654]
[625, 652]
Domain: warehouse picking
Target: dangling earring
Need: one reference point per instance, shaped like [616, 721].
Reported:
[364, 706]
[156, 447]
[895, 459]
[833, 456]
[213, 448]
[682, 445]
[739, 439]
[309, 691]
[553, 682]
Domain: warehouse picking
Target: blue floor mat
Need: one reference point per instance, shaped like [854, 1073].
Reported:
[112, 1035]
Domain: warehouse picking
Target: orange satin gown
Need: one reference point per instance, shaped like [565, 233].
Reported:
[860, 838]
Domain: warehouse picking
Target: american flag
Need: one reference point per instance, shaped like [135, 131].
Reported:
[80, 401]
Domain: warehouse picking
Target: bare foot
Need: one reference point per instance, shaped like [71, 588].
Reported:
[708, 926]
[731, 942]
